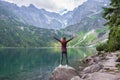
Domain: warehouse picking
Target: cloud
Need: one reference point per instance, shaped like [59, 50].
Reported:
[50, 5]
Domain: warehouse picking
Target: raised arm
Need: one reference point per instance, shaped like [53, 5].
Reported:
[70, 39]
[56, 39]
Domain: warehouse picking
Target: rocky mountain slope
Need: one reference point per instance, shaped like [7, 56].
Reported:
[33, 27]
[51, 20]
[89, 10]
[13, 33]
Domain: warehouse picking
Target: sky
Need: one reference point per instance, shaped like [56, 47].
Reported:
[50, 5]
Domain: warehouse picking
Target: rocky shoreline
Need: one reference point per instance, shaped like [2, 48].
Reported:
[100, 67]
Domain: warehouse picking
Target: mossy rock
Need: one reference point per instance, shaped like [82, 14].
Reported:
[118, 66]
[118, 60]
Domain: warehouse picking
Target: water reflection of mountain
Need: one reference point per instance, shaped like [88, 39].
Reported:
[23, 63]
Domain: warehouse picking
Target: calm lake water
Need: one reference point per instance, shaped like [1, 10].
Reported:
[35, 63]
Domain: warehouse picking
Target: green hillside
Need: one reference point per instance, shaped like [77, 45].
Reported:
[91, 38]
[16, 34]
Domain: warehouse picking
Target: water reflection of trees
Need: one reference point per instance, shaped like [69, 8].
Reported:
[18, 60]
[80, 53]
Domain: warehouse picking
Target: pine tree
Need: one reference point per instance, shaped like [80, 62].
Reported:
[112, 15]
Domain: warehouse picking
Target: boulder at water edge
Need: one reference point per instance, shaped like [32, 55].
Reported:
[64, 73]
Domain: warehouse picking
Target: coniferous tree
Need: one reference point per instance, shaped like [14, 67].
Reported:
[112, 15]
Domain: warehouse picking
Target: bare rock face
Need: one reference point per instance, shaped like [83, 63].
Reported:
[64, 73]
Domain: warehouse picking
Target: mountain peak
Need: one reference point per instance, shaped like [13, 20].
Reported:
[31, 6]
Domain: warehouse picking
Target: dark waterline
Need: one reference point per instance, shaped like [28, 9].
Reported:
[35, 63]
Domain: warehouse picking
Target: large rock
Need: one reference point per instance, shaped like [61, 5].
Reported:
[102, 76]
[64, 73]
[92, 60]
[76, 78]
[92, 68]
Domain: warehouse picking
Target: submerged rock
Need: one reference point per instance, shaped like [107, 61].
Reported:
[64, 73]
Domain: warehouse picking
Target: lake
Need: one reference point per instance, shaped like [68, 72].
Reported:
[35, 63]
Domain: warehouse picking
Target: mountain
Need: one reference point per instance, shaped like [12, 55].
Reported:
[85, 19]
[51, 20]
[34, 16]
[13, 33]
[87, 9]
[33, 27]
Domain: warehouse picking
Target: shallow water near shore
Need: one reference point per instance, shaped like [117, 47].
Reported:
[35, 63]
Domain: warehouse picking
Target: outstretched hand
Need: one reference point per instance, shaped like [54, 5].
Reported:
[56, 38]
[74, 36]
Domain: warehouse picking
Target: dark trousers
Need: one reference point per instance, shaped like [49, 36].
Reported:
[64, 53]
